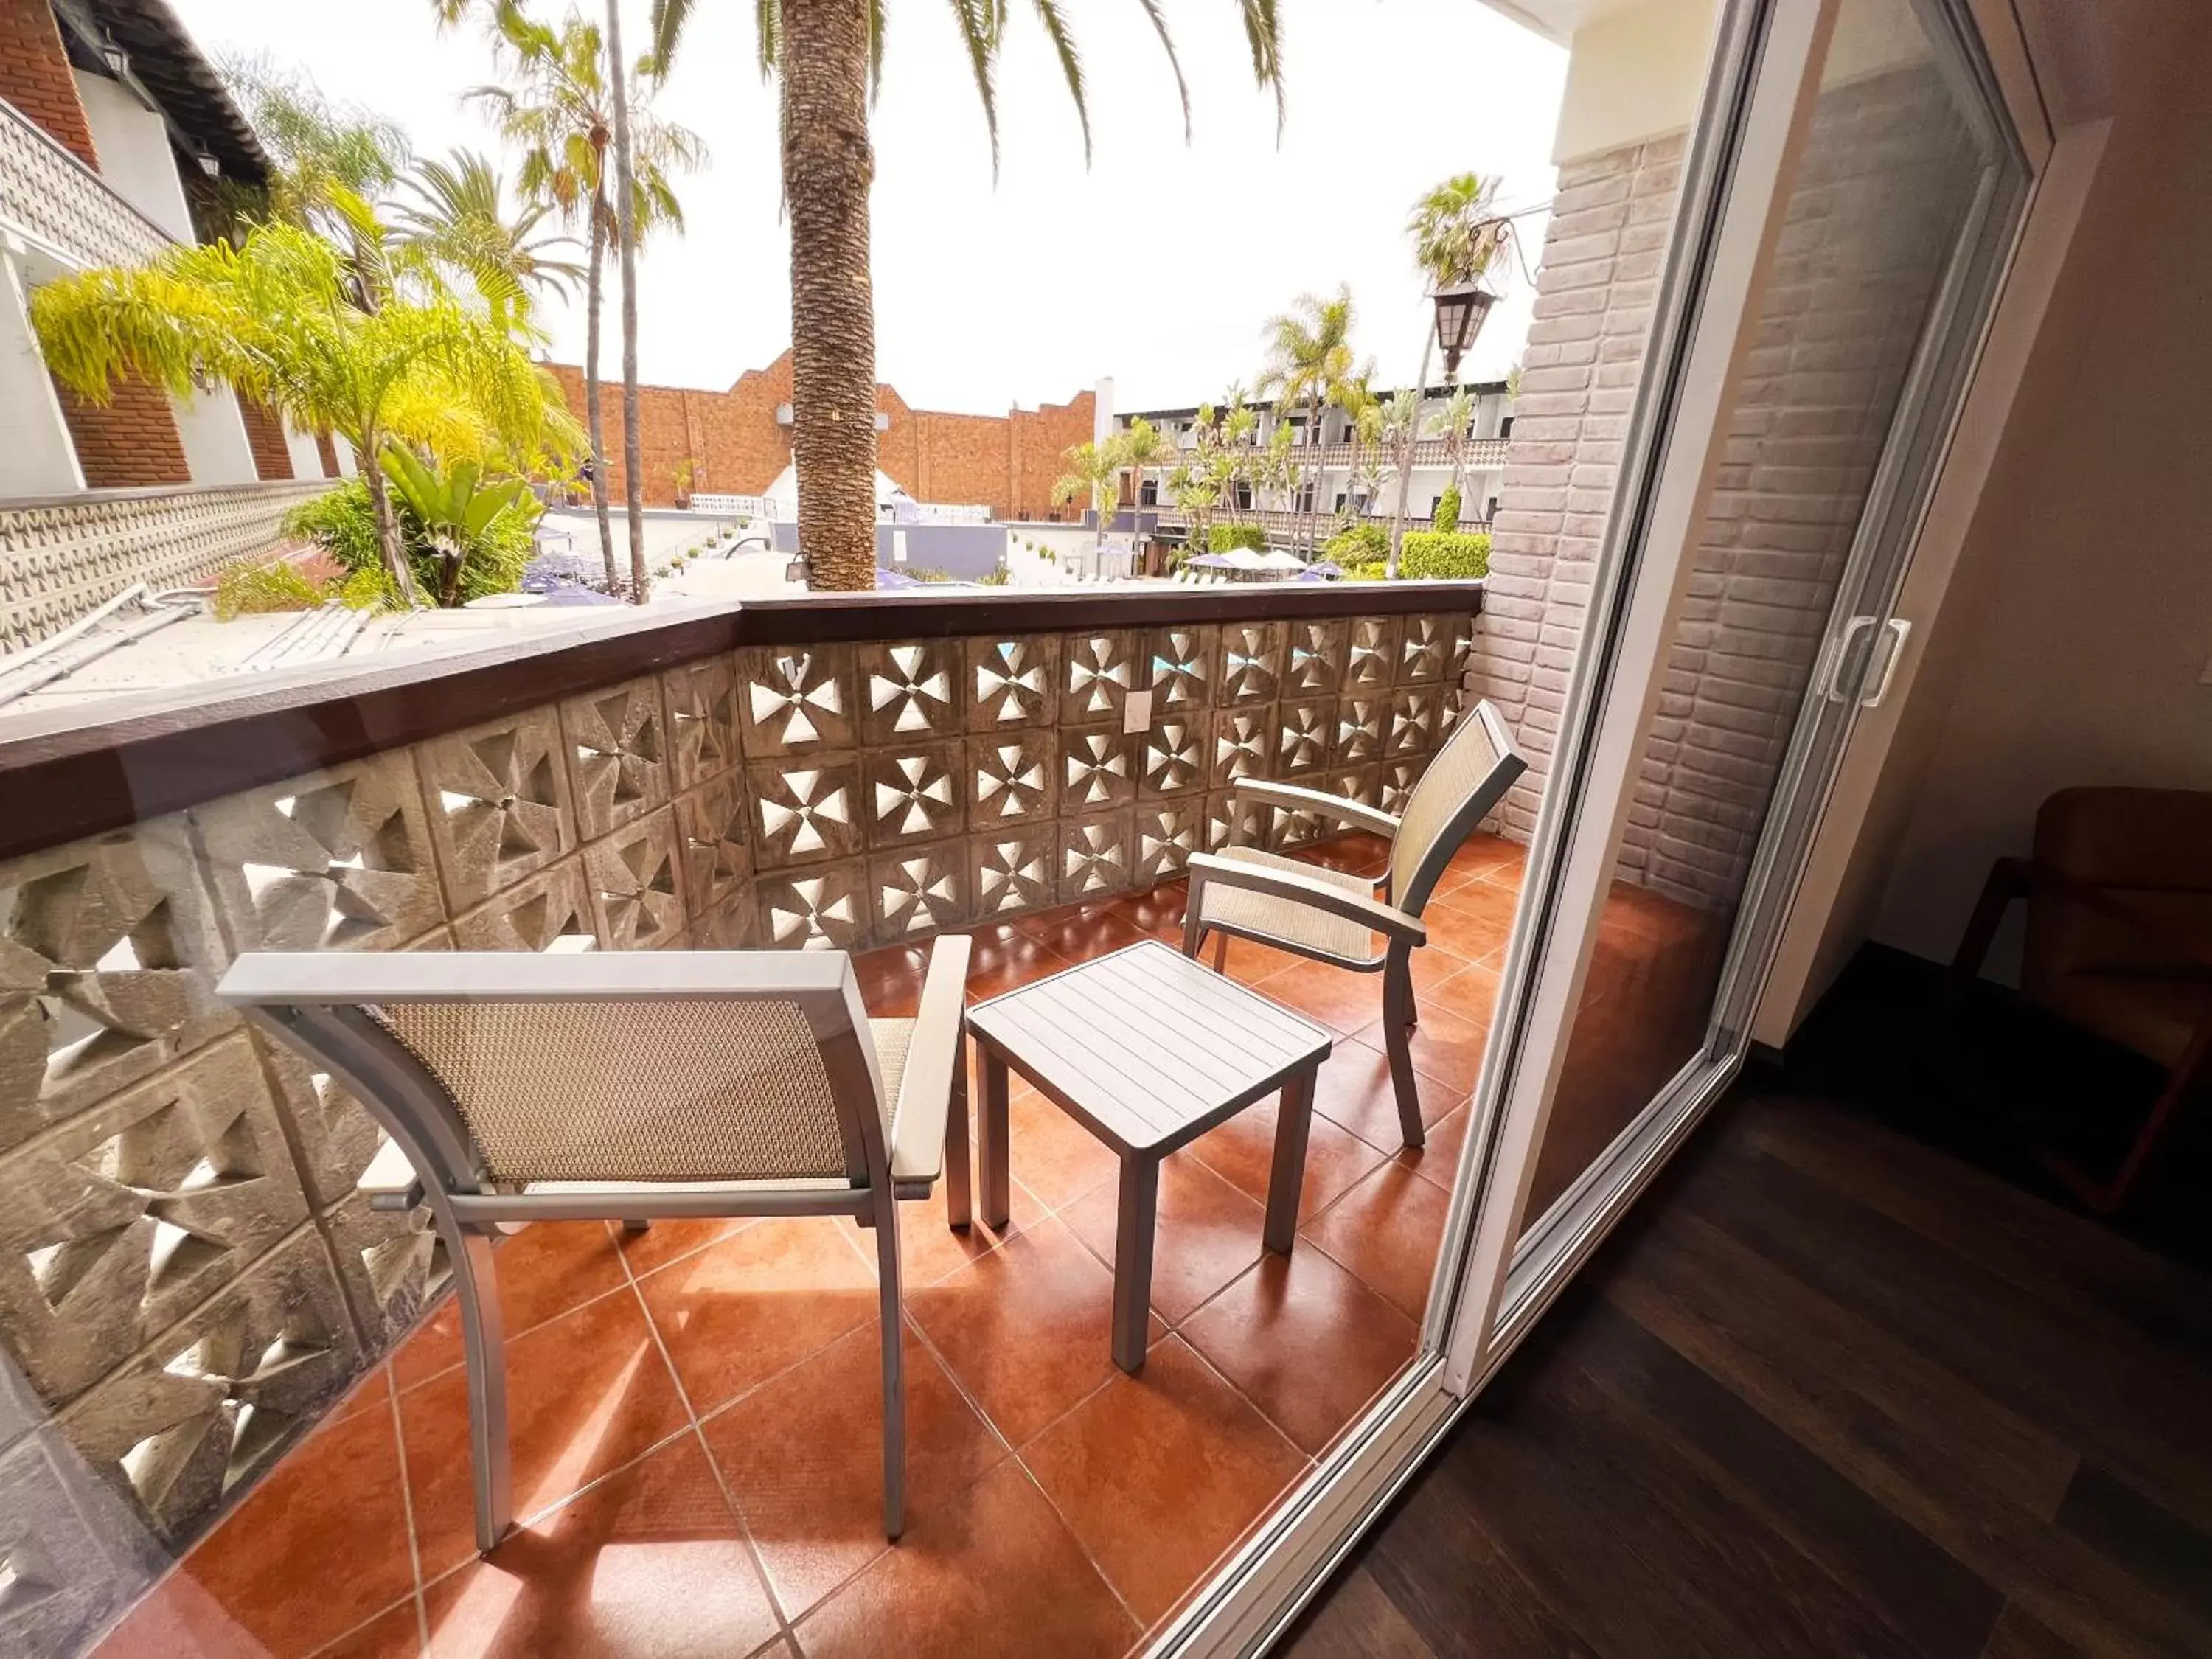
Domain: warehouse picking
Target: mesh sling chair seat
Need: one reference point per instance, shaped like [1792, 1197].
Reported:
[625, 1087]
[1351, 921]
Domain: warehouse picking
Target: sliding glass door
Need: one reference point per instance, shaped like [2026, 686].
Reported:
[1876, 191]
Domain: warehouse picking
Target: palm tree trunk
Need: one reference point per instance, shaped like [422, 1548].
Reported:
[626, 233]
[1410, 440]
[593, 285]
[1313, 511]
[387, 520]
[828, 167]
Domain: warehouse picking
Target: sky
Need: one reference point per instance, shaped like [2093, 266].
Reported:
[1158, 266]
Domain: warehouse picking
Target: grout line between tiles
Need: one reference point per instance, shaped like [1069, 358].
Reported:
[407, 1505]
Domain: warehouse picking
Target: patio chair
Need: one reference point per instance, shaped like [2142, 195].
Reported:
[1334, 915]
[625, 1087]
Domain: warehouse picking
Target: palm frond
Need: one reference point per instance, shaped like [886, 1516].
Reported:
[1071, 64]
[1159, 21]
[875, 49]
[1263, 34]
[977, 21]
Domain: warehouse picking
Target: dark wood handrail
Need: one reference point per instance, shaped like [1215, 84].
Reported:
[64, 776]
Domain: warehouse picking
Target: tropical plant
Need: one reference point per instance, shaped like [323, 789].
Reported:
[1194, 495]
[828, 57]
[451, 213]
[274, 319]
[1091, 469]
[342, 522]
[1432, 553]
[1353, 393]
[562, 118]
[1447, 513]
[1139, 446]
[1359, 543]
[455, 508]
[1456, 422]
[1227, 537]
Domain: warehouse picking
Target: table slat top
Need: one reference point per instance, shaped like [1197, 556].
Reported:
[1146, 1044]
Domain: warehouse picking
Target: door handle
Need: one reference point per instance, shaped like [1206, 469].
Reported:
[1845, 686]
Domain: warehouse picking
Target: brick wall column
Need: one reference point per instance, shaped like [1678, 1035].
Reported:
[35, 77]
[265, 434]
[1610, 219]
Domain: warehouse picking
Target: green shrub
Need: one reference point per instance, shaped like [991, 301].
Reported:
[926, 573]
[1359, 543]
[244, 590]
[1227, 537]
[1447, 519]
[342, 523]
[1433, 553]
[997, 577]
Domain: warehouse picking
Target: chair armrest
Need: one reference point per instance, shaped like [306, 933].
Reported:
[917, 1149]
[2106, 903]
[1302, 799]
[1392, 923]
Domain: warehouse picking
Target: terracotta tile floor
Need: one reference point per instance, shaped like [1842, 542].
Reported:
[696, 1419]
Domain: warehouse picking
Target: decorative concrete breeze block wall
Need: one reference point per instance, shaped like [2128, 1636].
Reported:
[187, 1277]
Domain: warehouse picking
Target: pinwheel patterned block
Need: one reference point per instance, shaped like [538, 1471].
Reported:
[1094, 856]
[499, 804]
[617, 756]
[1243, 745]
[1182, 668]
[1291, 827]
[919, 890]
[1013, 869]
[108, 959]
[58, 1526]
[711, 825]
[822, 909]
[795, 700]
[805, 811]
[1233, 823]
[221, 1396]
[1013, 778]
[1362, 723]
[1430, 647]
[134, 1212]
[701, 700]
[336, 860]
[637, 877]
[550, 911]
[1011, 683]
[333, 1132]
[1096, 671]
[1174, 754]
[727, 925]
[1396, 783]
[1360, 783]
[1251, 664]
[1315, 665]
[1166, 835]
[1303, 731]
[1097, 770]
[391, 1266]
[1413, 719]
[912, 794]
[909, 692]
[1370, 654]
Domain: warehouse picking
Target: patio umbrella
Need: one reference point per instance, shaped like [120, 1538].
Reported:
[1325, 569]
[1211, 562]
[1276, 559]
[1243, 558]
[892, 579]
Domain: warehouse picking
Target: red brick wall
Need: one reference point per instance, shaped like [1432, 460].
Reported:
[265, 435]
[130, 443]
[736, 448]
[34, 74]
[327, 453]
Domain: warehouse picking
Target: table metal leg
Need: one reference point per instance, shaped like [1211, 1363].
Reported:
[1132, 1258]
[1293, 1120]
[991, 1132]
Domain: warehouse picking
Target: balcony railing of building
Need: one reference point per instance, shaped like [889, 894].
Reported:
[63, 210]
[1282, 522]
[1478, 453]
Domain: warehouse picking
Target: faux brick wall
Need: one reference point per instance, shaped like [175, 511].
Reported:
[34, 76]
[844, 795]
[1585, 351]
[265, 435]
[129, 442]
[736, 448]
[1868, 221]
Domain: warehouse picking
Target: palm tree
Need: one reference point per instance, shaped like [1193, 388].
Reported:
[456, 219]
[275, 317]
[562, 120]
[1309, 356]
[1142, 445]
[829, 54]
[1457, 232]
[1363, 415]
[1092, 470]
[1456, 423]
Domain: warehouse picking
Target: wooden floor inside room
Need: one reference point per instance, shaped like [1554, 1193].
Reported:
[1829, 1392]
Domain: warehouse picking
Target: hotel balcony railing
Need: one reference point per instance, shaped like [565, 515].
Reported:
[1428, 453]
[1282, 521]
[63, 556]
[842, 771]
[62, 209]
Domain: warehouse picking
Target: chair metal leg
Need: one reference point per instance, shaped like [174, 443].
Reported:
[1286, 1180]
[1397, 1035]
[887, 1283]
[483, 1346]
[991, 1140]
[960, 1194]
[1136, 1220]
[1221, 953]
[638, 1224]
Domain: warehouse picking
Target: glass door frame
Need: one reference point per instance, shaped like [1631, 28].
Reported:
[1763, 77]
